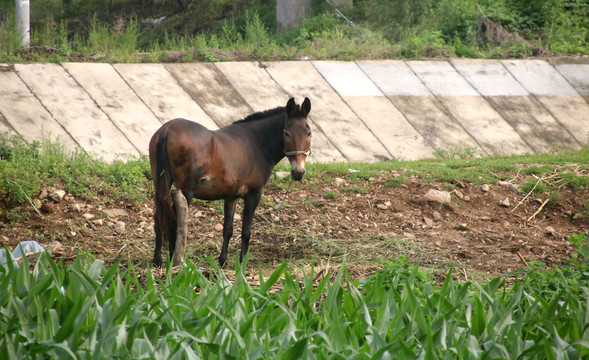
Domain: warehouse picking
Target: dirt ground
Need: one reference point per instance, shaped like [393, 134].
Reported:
[481, 233]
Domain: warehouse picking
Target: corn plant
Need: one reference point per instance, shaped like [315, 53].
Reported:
[87, 310]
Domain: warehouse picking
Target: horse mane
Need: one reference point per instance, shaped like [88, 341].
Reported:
[262, 115]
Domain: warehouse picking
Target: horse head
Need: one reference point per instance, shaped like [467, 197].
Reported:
[297, 136]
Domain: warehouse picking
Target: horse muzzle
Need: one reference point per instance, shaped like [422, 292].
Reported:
[297, 169]
[297, 175]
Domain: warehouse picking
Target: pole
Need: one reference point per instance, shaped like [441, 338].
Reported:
[23, 22]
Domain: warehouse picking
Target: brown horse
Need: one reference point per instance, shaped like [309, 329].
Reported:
[233, 162]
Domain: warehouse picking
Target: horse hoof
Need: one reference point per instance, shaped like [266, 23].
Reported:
[222, 262]
[157, 262]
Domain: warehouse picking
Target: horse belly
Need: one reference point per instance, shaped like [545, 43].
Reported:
[209, 188]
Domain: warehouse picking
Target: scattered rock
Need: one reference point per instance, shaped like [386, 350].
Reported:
[77, 207]
[466, 198]
[514, 187]
[43, 195]
[120, 227]
[338, 181]
[98, 222]
[459, 183]
[57, 195]
[485, 188]
[237, 217]
[56, 247]
[281, 174]
[427, 221]
[384, 206]
[550, 231]
[459, 194]
[442, 197]
[436, 215]
[48, 207]
[115, 213]
[505, 202]
[88, 216]
[274, 218]
[218, 227]
[37, 203]
[462, 227]
[579, 216]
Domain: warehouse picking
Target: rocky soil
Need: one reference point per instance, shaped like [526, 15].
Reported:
[478, 230]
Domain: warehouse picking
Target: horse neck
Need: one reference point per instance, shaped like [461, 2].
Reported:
[268, 134]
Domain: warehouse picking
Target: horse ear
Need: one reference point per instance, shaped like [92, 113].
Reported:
[306, 107]
[291, 107]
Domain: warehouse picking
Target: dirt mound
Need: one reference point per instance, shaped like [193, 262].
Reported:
[482, 230]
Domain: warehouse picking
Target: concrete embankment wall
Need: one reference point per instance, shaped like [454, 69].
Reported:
[361, 111]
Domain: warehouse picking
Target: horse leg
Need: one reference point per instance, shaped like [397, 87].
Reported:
[172, 229]
[229, 209]
[251, 202]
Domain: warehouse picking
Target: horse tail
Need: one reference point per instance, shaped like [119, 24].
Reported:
[165, 216]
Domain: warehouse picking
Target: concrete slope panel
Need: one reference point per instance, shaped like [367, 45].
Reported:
[522, 111]
[423, 111]
[118, 101]
[207, 85]
[390, 126]
[382, 118]
[26, 115]
[534, 123]
[555, 93]
[261, 92]
[254, 85]
[5, 127]
[164, 96]
[471, 110]
[73, 108]
[577, 75]
[337, 121]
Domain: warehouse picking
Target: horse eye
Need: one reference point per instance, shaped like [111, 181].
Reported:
[309, 135]
[286, 134]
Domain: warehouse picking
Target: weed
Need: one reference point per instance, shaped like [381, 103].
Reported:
[575, 180]
[331, 195]
[460, 153]
[396, 181]
[536, 186]
[28, 167]
[355, 190]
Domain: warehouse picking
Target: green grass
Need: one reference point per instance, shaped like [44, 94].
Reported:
[87, 309]
[28, 168]
[566, 167]
[118, 31]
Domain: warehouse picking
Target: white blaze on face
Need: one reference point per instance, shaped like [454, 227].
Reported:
[297, 167]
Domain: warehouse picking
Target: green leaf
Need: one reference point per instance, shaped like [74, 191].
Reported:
[297, 350]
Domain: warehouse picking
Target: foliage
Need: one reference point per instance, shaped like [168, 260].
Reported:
[86, 309]
[124, 30]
